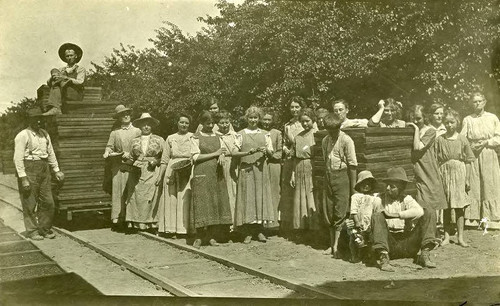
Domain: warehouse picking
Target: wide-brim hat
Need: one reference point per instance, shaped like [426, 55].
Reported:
[396, 174]
[120, 109]
[363, 176]
[34, 112]
[66, 46]
[145, 117]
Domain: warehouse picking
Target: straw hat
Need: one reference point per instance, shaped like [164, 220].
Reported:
[71, 46]
[145, 117]
[396, 174]
[120, 109]
[363, 176]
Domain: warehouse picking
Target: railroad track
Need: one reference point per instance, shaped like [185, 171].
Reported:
[183, 270]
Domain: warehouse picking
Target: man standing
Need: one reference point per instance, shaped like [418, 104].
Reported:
[400, 226]
[65, 83]
[33, 158]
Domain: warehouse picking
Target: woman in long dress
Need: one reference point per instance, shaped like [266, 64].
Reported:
[117, 153]
[292, 128]
[482, 129]
[228, 139]
[210, 209]
[430, 191]
[146, 151]
[436, 121]
[274, 163]
[305, 213]
[254, 206]
[173, 211]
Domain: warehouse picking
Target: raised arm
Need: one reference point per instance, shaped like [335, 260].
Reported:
[375, 119]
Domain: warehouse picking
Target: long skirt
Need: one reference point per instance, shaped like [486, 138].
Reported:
[453, 176]
[230, 175]
[305, 214]
[142, 203]
[210, 204]
[173, 210]
[253, 199]
[118, 193]
[286, 200]
[275, 178]
[485, 187]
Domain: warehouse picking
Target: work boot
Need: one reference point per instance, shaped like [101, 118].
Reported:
[49, 234]
[197, 243]
[35, 236]
[384, 262]
[425, 259]
[53, 111]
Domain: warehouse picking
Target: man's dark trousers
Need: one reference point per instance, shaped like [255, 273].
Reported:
[38, 203]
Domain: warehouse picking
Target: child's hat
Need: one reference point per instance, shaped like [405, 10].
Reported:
[363, 176]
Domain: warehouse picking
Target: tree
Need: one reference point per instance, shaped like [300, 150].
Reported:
[264, 52]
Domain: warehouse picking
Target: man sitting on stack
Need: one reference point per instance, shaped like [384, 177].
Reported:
[65, 83]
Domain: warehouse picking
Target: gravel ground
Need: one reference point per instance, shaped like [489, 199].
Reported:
[104, 275]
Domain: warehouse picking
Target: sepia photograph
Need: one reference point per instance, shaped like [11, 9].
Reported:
[249, 152]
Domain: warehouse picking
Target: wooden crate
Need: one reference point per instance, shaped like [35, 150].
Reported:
[377, 149]
[79, 137]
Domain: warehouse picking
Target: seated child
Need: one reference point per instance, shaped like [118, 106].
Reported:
[363, 204]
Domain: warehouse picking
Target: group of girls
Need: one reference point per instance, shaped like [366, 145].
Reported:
[456, 166]
[457, 170]
[216, 181]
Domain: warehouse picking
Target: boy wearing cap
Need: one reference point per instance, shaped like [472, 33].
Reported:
[33, 158]
[363, 203]
[400, 226]
[66, 82]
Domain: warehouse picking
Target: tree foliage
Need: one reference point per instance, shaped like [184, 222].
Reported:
[12, 121]
[264, 52]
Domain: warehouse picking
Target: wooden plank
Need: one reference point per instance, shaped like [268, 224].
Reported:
[48, 263]
[20, 253]
[155, 278]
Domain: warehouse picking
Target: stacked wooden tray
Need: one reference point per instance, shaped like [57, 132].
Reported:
[377, 149]
[79, 137]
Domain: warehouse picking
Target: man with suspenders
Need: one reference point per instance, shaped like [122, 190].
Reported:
[34, 158]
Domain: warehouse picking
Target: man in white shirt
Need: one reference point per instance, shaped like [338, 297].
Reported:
[34, 157]
[400, 226]
[66, 83]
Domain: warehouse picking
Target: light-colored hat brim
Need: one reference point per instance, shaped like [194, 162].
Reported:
[371, 178]
[140, 121]
[117, 114]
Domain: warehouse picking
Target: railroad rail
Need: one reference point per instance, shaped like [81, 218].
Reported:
[183, 270]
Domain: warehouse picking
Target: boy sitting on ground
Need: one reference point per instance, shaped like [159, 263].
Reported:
[363, 203]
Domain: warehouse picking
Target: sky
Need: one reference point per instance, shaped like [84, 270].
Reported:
[32, 31]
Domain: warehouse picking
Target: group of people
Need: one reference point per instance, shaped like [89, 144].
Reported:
[218, 184]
